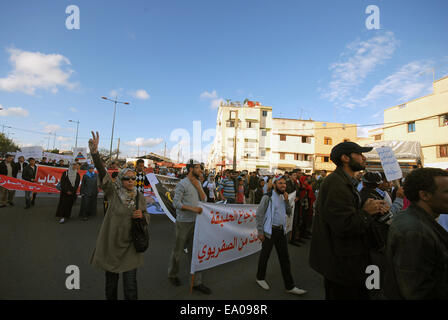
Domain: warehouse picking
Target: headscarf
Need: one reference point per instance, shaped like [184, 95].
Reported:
[90, 174]
[71, 174]
[126, 196]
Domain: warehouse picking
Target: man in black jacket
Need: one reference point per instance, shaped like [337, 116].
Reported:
[29, 174]
[417, 246]
[339, 250]
[10, 169]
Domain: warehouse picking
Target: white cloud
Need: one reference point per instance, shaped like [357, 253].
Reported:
[404, 85]
[209, 95]
[142, 142]
[215, 101]
[51, 128]
[358, 61]
[35, 70]
[13, 112]
[72, 109]
[63, 138]
[141, 94]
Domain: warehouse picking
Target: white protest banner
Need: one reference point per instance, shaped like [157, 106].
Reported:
[54, 156]
[223, 233]
[80, 154]
[30, 152]
[290, 219]
[389, 163]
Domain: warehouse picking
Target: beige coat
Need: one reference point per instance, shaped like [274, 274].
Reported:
[115, 250]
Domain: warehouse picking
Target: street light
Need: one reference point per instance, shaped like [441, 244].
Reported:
[113, 122]
[77, 126]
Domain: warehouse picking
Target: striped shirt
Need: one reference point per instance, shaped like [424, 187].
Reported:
[229, 188]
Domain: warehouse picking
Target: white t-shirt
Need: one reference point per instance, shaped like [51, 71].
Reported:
[211, 187]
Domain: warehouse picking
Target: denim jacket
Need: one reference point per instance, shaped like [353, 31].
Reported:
[417, 253]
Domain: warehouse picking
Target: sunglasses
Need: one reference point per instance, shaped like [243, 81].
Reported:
[128, 178]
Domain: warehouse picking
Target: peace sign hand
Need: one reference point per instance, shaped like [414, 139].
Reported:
[93, 143]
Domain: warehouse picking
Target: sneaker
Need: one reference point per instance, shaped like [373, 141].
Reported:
[263, 284]
[296, 291]
[203, 289]
[175, 281]
[62, 221]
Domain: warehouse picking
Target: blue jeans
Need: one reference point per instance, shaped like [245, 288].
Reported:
[129, 285]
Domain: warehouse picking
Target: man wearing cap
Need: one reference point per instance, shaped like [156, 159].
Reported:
[187, 195]
[339, 249]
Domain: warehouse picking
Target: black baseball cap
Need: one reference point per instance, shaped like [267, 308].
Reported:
[346, 148]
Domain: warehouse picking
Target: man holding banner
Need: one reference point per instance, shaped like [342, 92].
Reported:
[271, 227]
[187, 195]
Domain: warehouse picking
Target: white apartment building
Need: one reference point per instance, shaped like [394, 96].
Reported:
[261, 141]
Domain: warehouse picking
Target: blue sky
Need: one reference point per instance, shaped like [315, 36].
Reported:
[174, 61]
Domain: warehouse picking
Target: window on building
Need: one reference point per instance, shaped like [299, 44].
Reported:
[443, 120]
[306, 139]
[377, 137]
[263, 133]
[263, 153]
[264, 113]
[411, 126]
[249, 124]
[231, 124]
[283, 137]
[443, 151]
[296, 156]
[308, 157]
[232, 114]
[328, 141]
[326, 159]
[282, 156]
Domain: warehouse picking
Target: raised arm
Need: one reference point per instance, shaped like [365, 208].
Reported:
[93, 146]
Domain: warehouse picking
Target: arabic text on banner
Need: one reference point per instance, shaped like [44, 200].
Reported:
[224, 233]
[11, 183]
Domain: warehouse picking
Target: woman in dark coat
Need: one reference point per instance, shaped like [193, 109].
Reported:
[69, 185]
[259, 192]
[89, 193]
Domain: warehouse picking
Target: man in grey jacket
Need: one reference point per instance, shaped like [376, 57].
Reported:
[187, 195]
[271, 226]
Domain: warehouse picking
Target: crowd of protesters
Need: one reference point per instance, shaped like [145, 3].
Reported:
[353, 217]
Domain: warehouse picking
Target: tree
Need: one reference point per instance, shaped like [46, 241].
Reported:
[7, 145]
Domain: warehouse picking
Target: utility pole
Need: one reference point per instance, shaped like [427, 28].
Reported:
[54, 141]
[115, 101]
[235, 140]
[164, 151]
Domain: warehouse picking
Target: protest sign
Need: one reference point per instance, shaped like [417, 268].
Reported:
[160, 198]
[223, 233]
[389, 163]
[30, 152]
[80, 154]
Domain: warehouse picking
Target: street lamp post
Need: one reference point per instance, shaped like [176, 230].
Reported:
[115, 101]
[77, 127]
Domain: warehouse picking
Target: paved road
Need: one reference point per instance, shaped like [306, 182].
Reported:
[35, 251]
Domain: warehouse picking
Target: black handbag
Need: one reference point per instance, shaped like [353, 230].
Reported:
[139, 232]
